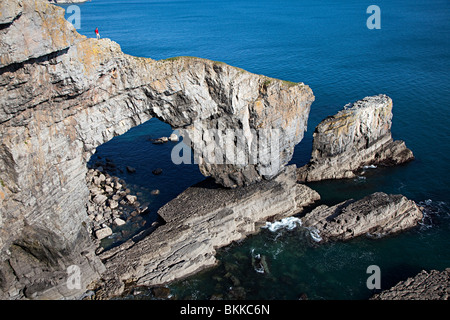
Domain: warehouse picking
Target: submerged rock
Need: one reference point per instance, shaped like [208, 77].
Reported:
[131, 169]
[357, 136]
[157, 171]
[376, 215]
[161, 292]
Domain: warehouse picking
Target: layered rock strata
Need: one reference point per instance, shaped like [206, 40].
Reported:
[432, 285]
[62, 95]
[376, 215]
[199, 220]
[357, 136]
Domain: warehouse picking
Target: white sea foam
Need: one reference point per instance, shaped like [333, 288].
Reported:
[314, 233]
[431, 210]
[372, 166]
[288, 223]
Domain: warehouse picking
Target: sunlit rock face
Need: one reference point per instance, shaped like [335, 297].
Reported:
[62, 95]
[357, 136]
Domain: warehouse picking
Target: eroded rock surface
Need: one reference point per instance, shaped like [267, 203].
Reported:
[357, 136]
[432, 285]
[376, 215]
[62, 95]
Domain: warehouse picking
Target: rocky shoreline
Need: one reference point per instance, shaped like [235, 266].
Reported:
[66, 94]
[426, 285]
[110, 202]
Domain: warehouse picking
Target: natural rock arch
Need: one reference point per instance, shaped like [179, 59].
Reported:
[64, 95]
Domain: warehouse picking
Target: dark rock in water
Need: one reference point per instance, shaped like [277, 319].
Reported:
[155, 192]
[303, 296]
[161, 292]
[131, 169]
[157, 171]
[160, 140]
[259, 263]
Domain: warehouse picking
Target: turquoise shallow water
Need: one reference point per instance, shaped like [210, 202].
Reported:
[327, 45]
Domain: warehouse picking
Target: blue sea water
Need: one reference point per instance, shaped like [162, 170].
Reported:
[327, 45]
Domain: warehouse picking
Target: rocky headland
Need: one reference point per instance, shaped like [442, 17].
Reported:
[63, 95]
[357, 136]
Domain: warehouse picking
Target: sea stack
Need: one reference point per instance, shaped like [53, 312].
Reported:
[357, 136]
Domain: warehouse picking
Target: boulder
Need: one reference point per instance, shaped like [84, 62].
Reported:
[131, 169]
[113, 204]
[100, 199]
[119, 222]
[131, 199]
[157, 171]
[160, 140]
[103, 233]
[173, 137]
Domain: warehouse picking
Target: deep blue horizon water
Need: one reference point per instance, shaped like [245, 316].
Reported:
[326, 45]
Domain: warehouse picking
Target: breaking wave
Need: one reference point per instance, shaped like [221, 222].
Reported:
[288, 223]
[291, 223]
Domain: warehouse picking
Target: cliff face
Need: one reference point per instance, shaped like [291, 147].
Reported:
[62, 95]
[357, 136]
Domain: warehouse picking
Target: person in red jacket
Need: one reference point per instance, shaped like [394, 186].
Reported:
[96, 32]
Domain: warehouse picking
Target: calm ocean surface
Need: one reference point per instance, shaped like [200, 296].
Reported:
[326, 45]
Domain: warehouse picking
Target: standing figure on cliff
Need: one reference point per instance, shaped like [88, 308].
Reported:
[96, 32]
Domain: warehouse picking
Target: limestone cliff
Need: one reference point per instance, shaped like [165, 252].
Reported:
[62, 95]
[357, 136]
